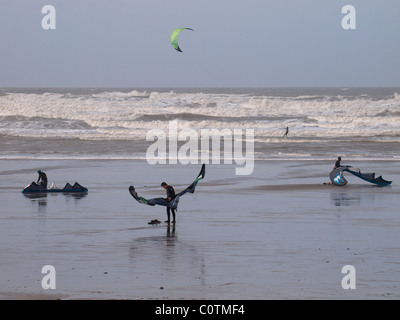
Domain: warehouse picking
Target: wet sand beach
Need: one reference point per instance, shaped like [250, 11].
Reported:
[276, 234]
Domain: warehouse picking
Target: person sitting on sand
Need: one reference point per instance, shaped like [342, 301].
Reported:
[337, 164]
[170, 197]
[42, 179]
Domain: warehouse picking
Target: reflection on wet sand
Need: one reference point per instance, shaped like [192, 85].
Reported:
[41, 198]
[167, 258]
[346, 199]
[44, 195]
[171, 235]
[341, 199]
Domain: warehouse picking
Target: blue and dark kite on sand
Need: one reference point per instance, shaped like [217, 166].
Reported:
[338, 179]
[164, 202]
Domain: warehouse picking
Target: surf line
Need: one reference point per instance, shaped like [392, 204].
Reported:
[238, 147]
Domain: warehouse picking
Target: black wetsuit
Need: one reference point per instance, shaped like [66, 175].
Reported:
[287, 132]
[170, 196]
[43, 177]
[337, 164]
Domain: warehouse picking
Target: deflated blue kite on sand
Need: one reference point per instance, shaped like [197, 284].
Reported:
[174, 38]
[338, 179]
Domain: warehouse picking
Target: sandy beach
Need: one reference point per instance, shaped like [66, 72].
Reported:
[277, 234]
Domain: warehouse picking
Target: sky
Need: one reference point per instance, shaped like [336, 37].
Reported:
[235, 43]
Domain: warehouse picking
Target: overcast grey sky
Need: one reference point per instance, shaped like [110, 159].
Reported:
[235, 43]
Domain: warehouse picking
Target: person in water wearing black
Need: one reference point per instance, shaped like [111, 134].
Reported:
[42, 179]
[337, 164]
[286, 133]
[170, 196]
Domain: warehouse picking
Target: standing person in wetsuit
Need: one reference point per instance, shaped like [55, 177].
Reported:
[286, 133]
[337, 164]
[170, 196]
[42, 179]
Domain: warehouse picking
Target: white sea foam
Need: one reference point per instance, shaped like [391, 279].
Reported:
[129, 115]
[118, 115]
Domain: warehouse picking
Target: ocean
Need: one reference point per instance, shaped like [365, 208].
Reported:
[356, 123]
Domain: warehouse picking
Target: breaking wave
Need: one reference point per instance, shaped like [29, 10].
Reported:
[88, 114]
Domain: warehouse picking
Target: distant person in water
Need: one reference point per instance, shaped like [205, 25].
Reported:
[42, 179]
[170, 196]
[286, 133]
[337, 164]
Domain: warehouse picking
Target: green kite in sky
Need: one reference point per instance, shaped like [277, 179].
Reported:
[174, 38]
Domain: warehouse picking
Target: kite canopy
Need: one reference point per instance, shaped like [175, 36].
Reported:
[337, 177]
[174, 38]
[162, 201]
